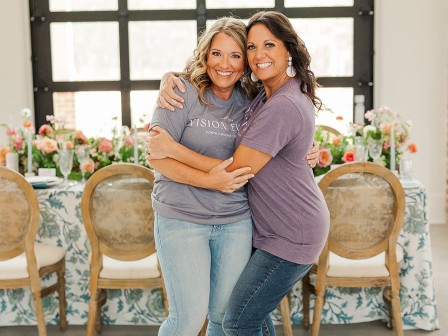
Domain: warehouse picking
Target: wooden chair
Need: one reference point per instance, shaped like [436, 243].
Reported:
[330, 130]
[23, 261]
[119, 220]
[366, 203]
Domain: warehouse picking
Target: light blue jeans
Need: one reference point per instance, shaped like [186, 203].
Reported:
[201, 265]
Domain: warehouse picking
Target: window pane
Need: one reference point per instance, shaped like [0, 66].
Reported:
[82, 5]
[330, 43]
[94, 113]
[339, 102]
[85, 51]
[318, 3]
[142, 106]
[153, 53]
[240, 4]
[161, 4]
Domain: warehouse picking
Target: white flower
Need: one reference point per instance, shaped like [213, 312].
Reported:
[25, 113]
[366, 130]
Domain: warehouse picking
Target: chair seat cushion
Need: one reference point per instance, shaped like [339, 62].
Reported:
[15, 268]
[146, 268]
[372, 267]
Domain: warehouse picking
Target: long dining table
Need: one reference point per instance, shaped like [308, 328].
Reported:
[61, 224]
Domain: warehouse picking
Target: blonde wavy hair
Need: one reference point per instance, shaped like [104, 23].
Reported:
[196, 69]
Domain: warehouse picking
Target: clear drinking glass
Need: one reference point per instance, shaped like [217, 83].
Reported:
[405, 169]
[375, 148]
[361, 153]
[65, 163]
[82, 153]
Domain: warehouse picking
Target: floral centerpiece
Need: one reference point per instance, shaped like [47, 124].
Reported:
[382, 122]
[97, 152]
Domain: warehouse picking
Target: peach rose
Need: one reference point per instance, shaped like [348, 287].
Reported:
[349, 156]
[68, 144]
[146, 127]
[336, 141]
[385, 128]
[339, 117]
[45, 130]
[412, 148]
[105, 146]
[27, 124]
[325, 157]
[87, 166]
[48, 145]
[3, 152]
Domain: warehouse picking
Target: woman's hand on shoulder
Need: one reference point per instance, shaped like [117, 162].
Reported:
[168, 98]
[228, 182]
[313, 155]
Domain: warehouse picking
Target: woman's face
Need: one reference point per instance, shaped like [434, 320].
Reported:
[225, 65]
[266, 54]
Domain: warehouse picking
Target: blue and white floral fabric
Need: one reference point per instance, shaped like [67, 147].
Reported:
[62, 225]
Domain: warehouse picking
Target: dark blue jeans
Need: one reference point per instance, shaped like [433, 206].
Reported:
[264, 283]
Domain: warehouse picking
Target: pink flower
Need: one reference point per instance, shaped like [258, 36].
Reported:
[128, 141]
[105, 146]
[10, 131]
[349, 156]
[325, 157]
[87, 166]
[45, 130]
[18, 142]
[48, 145]
[146, 127]
[80, 138]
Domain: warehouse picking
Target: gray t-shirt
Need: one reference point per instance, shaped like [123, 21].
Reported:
[290, 216]
[209, 130]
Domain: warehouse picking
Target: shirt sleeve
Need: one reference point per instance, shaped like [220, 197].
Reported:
[276, 124]
[174, 122]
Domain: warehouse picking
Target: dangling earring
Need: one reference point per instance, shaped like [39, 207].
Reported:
[290, 71]
[254, 77]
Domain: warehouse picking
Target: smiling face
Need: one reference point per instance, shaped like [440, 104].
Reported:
[225, 65]
[267, 56]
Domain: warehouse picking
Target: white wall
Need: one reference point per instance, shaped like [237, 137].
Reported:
[411, 77]
[16, 85]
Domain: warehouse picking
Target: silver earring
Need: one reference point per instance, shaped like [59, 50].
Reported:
[290, 71]
[254, 77]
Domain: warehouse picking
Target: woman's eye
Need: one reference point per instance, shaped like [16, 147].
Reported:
[251, 47]
[269, 45]
[237, 56]
[215, 53]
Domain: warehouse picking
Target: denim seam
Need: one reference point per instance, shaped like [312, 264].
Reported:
[268, 274]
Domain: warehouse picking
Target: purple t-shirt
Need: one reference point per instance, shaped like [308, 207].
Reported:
[290, 216]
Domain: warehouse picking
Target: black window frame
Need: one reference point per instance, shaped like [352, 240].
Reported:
[362, 13]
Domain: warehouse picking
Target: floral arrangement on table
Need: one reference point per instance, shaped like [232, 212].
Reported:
[385, 126]
[53, 136]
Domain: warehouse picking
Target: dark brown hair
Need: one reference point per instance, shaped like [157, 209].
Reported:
[281, 27]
